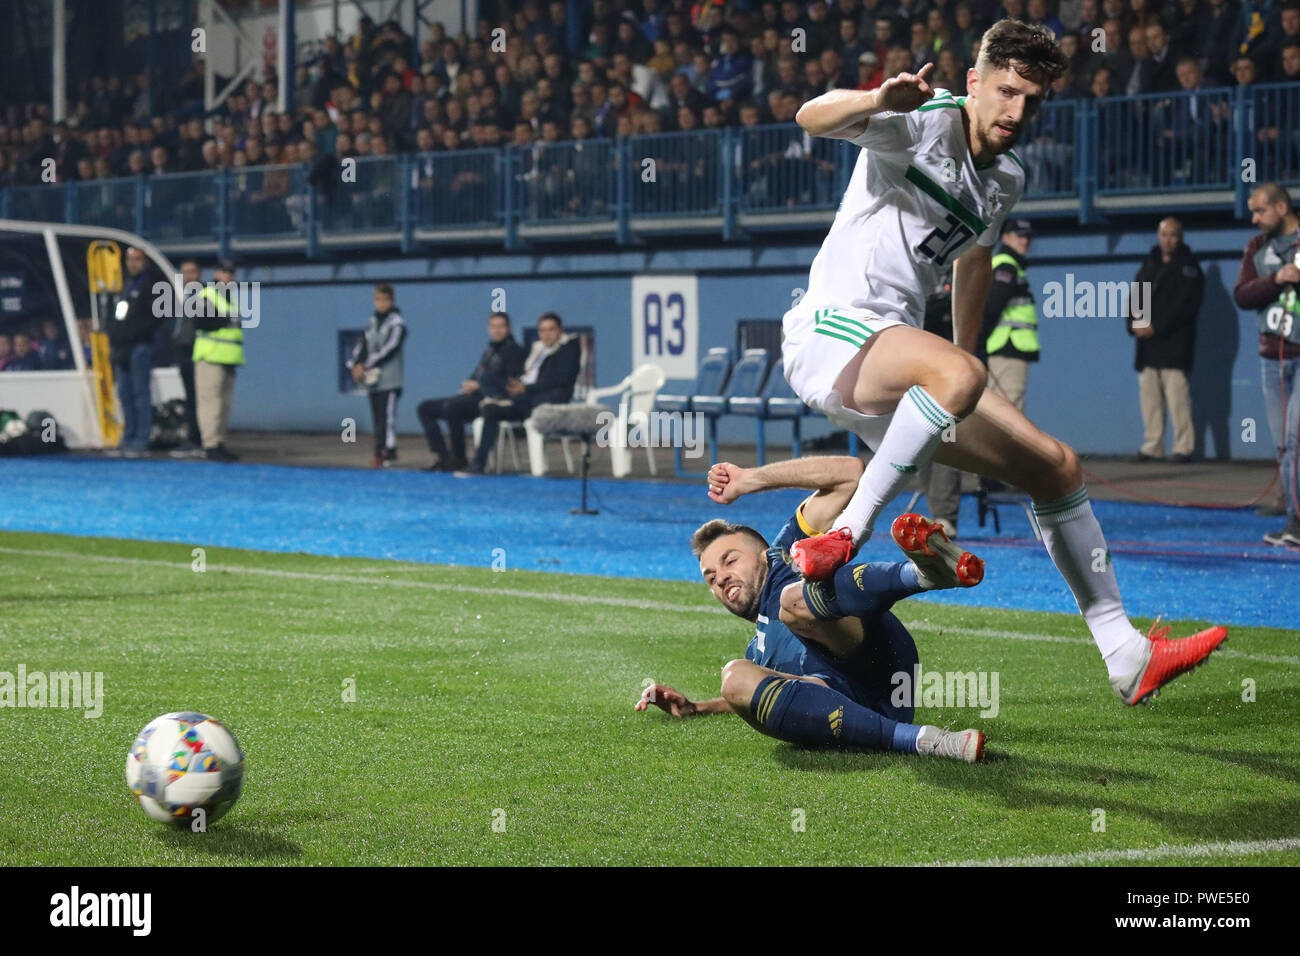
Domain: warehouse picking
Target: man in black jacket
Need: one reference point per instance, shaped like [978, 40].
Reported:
[130, 337]
[549, 375]
[1166, 340]
[502, 360]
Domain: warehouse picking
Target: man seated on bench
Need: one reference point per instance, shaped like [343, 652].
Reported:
[550, 373]
[502, 360]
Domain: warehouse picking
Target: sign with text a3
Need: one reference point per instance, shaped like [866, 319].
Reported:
[666, 323]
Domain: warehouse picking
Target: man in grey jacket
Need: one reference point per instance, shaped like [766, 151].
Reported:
[377, 363]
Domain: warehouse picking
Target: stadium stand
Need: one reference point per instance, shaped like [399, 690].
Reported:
[562, 125]
[746, 381]
[715, 369]
[778, 402]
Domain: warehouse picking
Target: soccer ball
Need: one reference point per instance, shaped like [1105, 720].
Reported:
[182, 763]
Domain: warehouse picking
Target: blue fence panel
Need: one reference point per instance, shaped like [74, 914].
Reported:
[1156, 143]
[1048, 150]
[783, 168]
[566, 181]
[371, 204]
[1159, 142]
[1275, 133]
[268, 201]
[106, 202]
[180, 206]
[675, 173]
[458, 189]
[42, 203]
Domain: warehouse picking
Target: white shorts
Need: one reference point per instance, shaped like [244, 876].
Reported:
[815, 347]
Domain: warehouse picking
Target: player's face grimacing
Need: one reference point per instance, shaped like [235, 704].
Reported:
[735, 567]
[1003, 104]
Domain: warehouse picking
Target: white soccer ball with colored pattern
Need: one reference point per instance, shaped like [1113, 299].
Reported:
[185, 767]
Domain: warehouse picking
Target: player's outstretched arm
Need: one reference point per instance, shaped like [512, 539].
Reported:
[972, 273]
[843, 114]
[676, 703]
[833, 478]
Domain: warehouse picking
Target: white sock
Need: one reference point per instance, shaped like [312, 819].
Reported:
[1078, 548]
[911, 438]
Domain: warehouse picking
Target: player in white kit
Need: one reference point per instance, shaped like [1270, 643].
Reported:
[934, 180]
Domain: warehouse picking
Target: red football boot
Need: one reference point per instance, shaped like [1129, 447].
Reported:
[820, 556]
[1166, 660]
[942, 563]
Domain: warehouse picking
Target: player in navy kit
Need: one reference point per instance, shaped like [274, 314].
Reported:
[820, 667]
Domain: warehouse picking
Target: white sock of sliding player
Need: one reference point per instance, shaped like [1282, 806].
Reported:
[913, 434]
[1078, 548]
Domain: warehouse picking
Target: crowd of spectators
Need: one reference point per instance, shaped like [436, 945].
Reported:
[35, 346]
[632, 66]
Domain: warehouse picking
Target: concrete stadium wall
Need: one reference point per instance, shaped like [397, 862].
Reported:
[1084, 390]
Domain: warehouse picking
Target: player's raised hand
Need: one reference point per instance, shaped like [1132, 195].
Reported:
[907, 91]
[724, 482]
[666, 699]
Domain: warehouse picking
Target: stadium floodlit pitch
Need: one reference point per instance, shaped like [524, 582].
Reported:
[478, 693]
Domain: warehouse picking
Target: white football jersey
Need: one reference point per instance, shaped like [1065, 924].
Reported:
[915, 203]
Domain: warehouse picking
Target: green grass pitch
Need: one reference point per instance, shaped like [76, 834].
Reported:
[480, 692]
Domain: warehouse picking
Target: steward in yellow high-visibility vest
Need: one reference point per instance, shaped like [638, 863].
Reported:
[1010, 318]
[222, 341]
[218, 352]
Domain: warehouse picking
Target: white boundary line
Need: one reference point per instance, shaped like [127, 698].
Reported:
[368, 577]
[1162, 852]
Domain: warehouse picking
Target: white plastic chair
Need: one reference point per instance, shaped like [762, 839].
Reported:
[505, 440]
[637, 394]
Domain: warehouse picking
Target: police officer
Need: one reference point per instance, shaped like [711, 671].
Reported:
[218, 352]
[1010, 319]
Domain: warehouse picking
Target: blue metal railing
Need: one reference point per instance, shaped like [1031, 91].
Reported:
[1158, 142]
[781, 168]
[568, 182]
[37, 202]
[1141, 150]
[1049, 148]
[676, 174]
[179, 207]
[268, 202]
[368, 200]
[1271, 131]
[456, 190]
